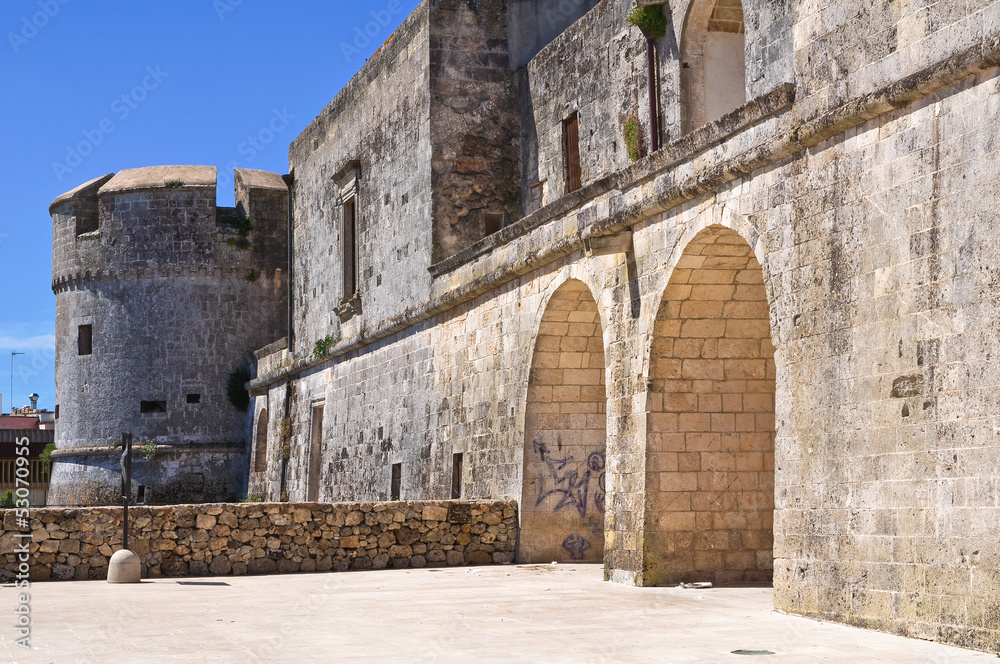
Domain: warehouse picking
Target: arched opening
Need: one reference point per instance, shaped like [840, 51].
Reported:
[562, 497]
[260, 446]
[710, 428]
[713, 61]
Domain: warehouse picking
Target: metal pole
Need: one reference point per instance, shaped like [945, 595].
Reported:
[126, 463]
[10, 406]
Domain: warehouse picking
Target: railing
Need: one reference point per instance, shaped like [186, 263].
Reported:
[38, 479]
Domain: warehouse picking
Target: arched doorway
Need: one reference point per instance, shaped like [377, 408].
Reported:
[713, 61]
[562, 497]
[710, 428]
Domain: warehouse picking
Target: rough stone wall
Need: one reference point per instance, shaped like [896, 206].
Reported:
[474, 123]
[597, 70]
[263, 538]
[174, 308]
[379, 123]
[872, 218]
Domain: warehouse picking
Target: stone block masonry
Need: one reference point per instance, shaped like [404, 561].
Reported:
[264, 538]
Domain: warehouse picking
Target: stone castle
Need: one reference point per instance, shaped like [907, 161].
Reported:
[708, 288]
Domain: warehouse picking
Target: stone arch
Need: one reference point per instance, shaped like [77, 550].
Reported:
[565, 431]
[260, 446]
[710, 428]
[713, 61]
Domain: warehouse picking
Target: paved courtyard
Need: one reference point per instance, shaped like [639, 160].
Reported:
[510, 614]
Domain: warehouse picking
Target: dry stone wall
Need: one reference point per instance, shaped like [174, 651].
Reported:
[263, 538]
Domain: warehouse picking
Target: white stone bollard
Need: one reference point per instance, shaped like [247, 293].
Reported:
[124, 567]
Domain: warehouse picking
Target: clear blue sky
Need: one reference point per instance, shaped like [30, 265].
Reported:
[179, 82]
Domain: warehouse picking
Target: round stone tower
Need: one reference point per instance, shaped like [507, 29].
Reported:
[161, 299]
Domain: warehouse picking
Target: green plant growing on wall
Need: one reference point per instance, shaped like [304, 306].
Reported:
[650, 20]
[7, 500]
[323, 345]
[633, 138]
[235, 390]
[285, 430]
[46, 456]
[173, 184]
[252, 275]
[253, 499]
[242, 227]
[148, 450]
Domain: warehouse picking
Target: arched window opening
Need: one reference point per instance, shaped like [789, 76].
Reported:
[713, 61]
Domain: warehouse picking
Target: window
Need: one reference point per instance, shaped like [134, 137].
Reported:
[57, 412]
[571, 152]
[85, 340]
[260, 449]
[349, 248]
[456, 476]
[194, 398]
[713, 61]
[152, 406]
[492, 222]
[397, 481]
[140, 496]
[349, 240]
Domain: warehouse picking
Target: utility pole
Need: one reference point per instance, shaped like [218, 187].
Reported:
[10, 407]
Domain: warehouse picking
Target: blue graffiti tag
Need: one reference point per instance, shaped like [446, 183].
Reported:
[570, 482]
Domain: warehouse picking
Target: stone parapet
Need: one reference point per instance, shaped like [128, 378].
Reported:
[262, 538]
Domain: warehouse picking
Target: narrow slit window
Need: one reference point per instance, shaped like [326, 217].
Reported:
[397, 481]
[85, 339]
[456, 476]
[350, 248]
[140, 496]
[194, 398]
[571, 152]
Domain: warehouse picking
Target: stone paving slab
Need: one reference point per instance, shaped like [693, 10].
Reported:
[529, 613]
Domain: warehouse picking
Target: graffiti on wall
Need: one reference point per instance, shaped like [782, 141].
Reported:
[577, 546]
[569, 481]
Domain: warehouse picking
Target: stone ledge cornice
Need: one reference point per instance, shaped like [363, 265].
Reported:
[76, 279]
[470, 275]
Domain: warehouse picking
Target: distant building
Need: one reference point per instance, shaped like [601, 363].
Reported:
[27, 424]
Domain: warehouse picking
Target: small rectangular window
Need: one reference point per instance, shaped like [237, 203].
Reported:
[152, 406]
[140, 496]
[492, 222]
[194, 398]
[349, 248]
[397, 481]
[456, 476]
[571, 152]
[57, 412]
[85, 339]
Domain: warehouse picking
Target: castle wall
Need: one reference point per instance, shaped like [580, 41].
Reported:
[378, 129]
[175, 302]
[223, 540]
[474, 124]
